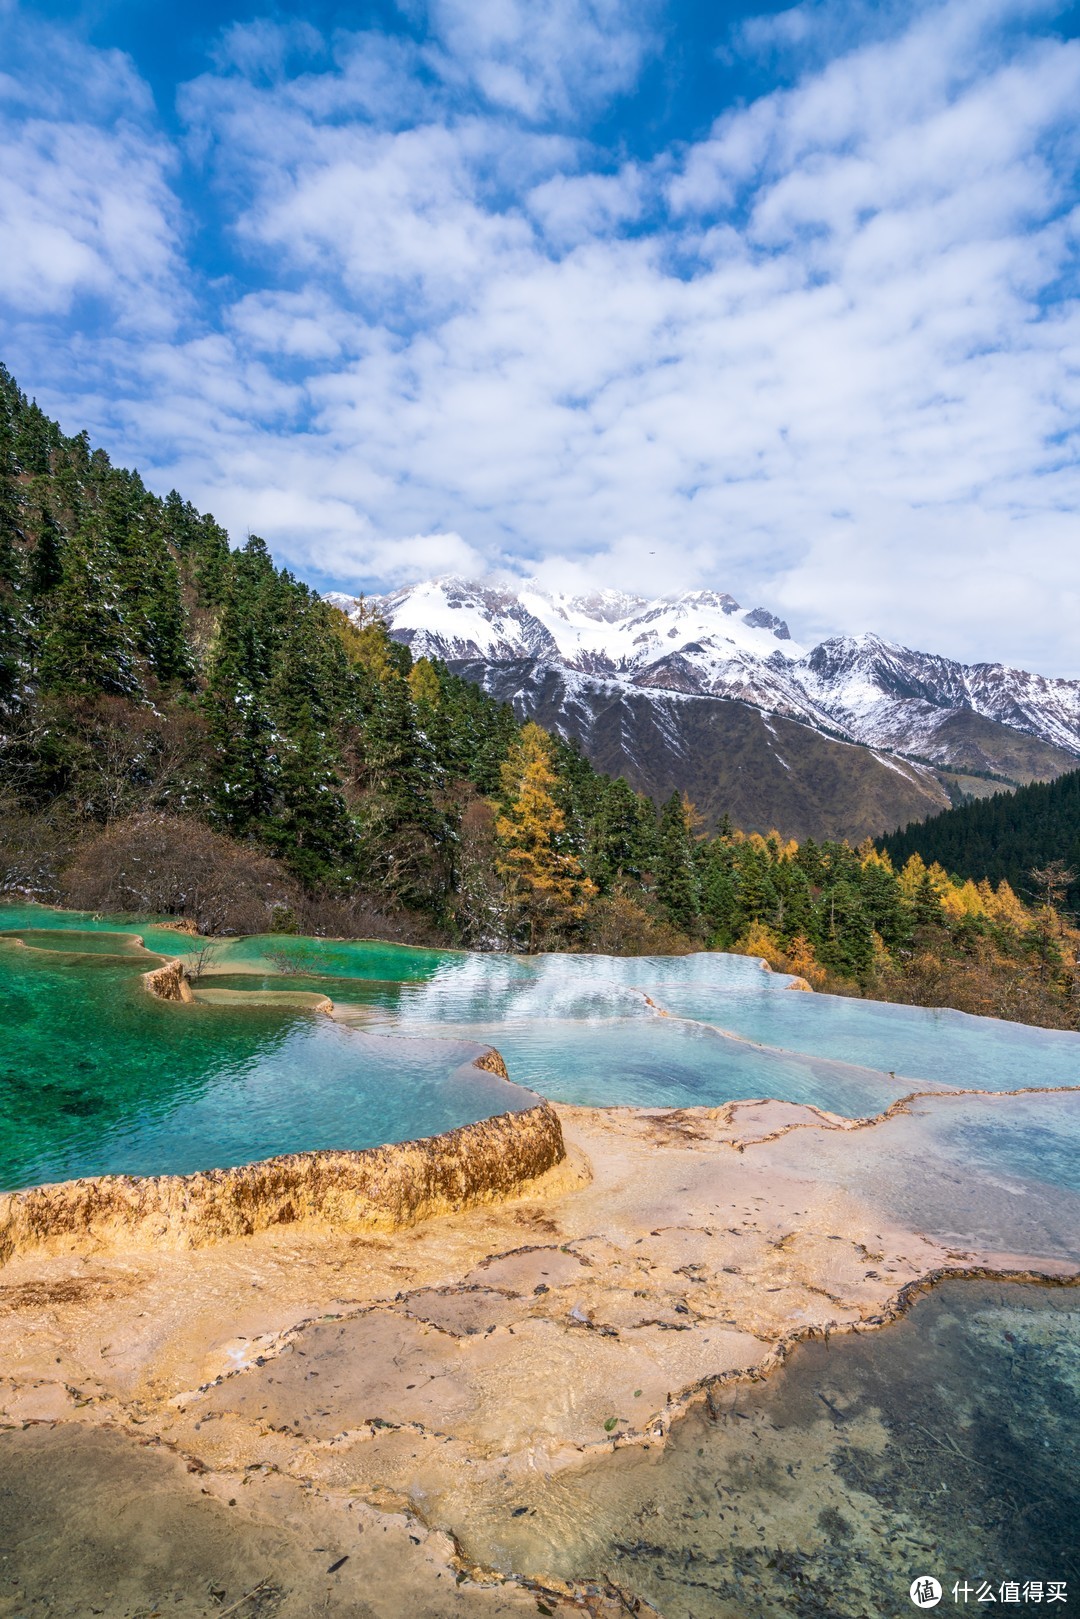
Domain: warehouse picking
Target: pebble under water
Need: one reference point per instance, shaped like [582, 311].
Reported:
[944, 1445]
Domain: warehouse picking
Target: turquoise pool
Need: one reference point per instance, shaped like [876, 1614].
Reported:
[97, 1076]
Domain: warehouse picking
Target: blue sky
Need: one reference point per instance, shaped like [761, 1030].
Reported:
[783, 301]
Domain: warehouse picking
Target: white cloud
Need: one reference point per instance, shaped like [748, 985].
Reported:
[265, 48]
[541, 61]
[86, 205]
[573, 207]
[827, 357]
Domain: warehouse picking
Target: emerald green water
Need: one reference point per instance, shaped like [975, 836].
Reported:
[97, 1076]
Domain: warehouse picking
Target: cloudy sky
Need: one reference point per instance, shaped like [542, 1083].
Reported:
[649, 293]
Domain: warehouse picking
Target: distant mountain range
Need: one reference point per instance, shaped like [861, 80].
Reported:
[695, 692]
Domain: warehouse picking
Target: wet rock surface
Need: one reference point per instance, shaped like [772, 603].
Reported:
[380, 1188]
[448, 1374]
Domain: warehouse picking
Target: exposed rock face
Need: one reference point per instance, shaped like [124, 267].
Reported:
[697, 693]
[492, 1063]
[169, 983]
[380, 1189]
[763, 770]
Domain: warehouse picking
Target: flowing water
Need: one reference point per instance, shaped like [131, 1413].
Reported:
[944, 1446]
[96, 1076]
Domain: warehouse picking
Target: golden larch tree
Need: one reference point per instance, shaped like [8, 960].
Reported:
[545, 886]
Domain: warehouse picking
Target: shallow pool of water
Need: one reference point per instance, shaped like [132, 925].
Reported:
[996, 1174]
[944, 1445]
[98, 1076]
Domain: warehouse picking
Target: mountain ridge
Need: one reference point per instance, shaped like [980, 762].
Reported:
[936, 730]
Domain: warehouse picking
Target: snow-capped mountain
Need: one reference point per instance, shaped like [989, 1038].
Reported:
[701, 642]
[609, 630]
[659, 669]
[894, 697]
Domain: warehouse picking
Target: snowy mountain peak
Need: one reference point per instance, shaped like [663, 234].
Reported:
[702, 643]
[607, 630]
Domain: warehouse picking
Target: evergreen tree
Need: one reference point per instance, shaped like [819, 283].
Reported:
[242, 731]
[622, 836]
[847, 938]
[799, 917]
[719, 901]
[159, 608]
[11, 618]
[882, 900]
[407, 837]
[757, 899]
[87, 645]
[677, 883]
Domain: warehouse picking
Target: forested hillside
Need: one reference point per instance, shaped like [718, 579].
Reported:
[850, 921]
[188, 730]
[1010, 835]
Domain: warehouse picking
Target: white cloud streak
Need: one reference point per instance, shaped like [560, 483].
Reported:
[86, 205]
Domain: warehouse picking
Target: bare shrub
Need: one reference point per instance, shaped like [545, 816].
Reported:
[616, 925]
[362, 915]
[481, 909]
[32, 850]
[166, 865]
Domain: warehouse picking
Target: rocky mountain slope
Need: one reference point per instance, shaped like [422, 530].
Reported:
[693, 691]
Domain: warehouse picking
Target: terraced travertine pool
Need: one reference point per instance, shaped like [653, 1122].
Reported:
[944, 1446]
[941, 1445]
[97, 1076]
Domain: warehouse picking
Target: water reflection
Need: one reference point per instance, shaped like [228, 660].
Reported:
[98, 1077]
[216, 1085]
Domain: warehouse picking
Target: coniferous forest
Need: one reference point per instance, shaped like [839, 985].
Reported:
[188, 730]
[1008, 835]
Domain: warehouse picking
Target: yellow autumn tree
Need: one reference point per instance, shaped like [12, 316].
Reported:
[1003, 906]
[424, 683]
[546, 889]
[366, 640]
[963, 900]
[802, 961]
[758, 940]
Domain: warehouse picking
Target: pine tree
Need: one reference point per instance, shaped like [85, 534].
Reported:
[12, 649]
[798, 915]
[621, 843]
[242, 731]
[847, 939]
[677, 881]
[160, 613]
[882, 898]
[407, 837]
[757, 899]
[719, 902]
[87, 645]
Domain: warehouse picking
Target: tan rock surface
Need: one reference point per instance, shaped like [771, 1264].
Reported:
[424, 1371]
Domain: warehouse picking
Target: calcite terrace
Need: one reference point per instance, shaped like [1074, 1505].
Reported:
[343, 1385]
